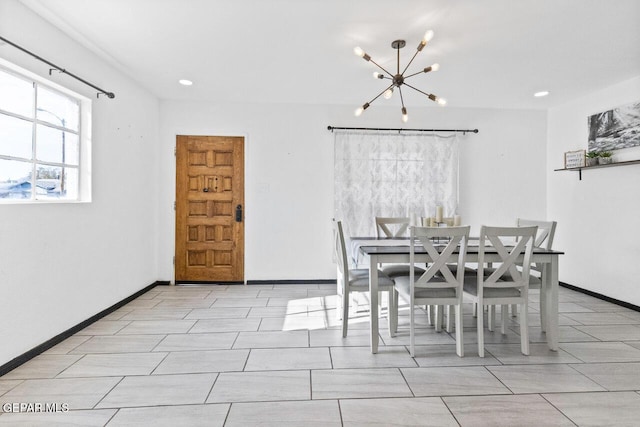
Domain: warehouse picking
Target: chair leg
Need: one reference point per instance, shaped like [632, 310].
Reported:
[459, 327]
[449, 319]
[412, 332]
[429, 309]
[345, 312]
[543, 312]
[480, 327]
[524, 329]
[491, 317]
[438, 318]
[396, 301]
[514, 310]
[504, 314]
[392, 312]
[475, 309]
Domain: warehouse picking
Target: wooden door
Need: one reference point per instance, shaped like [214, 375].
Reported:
[209, 209]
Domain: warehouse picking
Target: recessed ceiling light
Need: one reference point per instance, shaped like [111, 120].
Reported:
[185, 82]
[541, 93]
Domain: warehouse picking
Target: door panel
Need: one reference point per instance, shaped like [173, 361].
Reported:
[209, 190]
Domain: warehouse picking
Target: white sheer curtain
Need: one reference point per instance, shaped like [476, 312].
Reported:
[392, 174]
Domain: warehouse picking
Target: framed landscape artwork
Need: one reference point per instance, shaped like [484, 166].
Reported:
[615, 129]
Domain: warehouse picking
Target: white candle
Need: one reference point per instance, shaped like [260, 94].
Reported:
[457, 220]
[438, 213]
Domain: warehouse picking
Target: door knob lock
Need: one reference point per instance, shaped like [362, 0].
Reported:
[206, 189]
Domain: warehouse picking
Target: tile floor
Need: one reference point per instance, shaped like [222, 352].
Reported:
[274, 355]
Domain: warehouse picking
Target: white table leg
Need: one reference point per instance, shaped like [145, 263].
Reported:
[543, 300]
[552, 285]
[373, 297]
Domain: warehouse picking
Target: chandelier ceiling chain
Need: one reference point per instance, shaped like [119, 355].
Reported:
[399, 79]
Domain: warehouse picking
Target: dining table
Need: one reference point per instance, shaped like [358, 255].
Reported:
[374, 251]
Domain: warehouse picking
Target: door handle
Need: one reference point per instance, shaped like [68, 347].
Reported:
[239, 213]
[206, 189]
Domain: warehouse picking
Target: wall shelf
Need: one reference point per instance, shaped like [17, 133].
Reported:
[580, 169]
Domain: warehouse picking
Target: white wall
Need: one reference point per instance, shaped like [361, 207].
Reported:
[598, 220]
[62, 263]
[289, 174]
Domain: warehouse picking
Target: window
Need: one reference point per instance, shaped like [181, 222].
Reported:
[41, 143]
[393, 175]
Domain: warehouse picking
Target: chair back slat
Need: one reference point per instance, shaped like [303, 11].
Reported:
[455, 238]
[511, 257]
[545, 234]
[398, 227]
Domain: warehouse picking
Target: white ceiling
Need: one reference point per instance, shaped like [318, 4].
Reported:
[492, 53]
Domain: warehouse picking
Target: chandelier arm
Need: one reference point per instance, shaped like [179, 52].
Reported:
[401, 98]
[414, 74]
[379, 66]
[412, 58]
[378, 96]
[415, 88]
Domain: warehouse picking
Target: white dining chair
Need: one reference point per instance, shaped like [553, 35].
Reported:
[508, 283]
[437, 286]
[544, 239]
[357, 280]
[394, 227]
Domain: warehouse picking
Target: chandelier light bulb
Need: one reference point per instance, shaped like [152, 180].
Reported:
[441, 101]
[388, 93]
[427, 36]
[377, 75]
[361, 109]
[405, 117]
[434, 67]
[358, 51]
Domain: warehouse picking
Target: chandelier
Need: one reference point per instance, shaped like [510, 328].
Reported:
[399, 80]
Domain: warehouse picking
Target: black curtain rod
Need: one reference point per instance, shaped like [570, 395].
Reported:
[332, 128]
[60, 69]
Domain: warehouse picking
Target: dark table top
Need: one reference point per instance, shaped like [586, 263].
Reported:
[387, 249]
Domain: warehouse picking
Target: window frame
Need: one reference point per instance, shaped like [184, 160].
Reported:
[83, 133]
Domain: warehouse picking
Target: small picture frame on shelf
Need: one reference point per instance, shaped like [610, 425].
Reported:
[575, 159]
